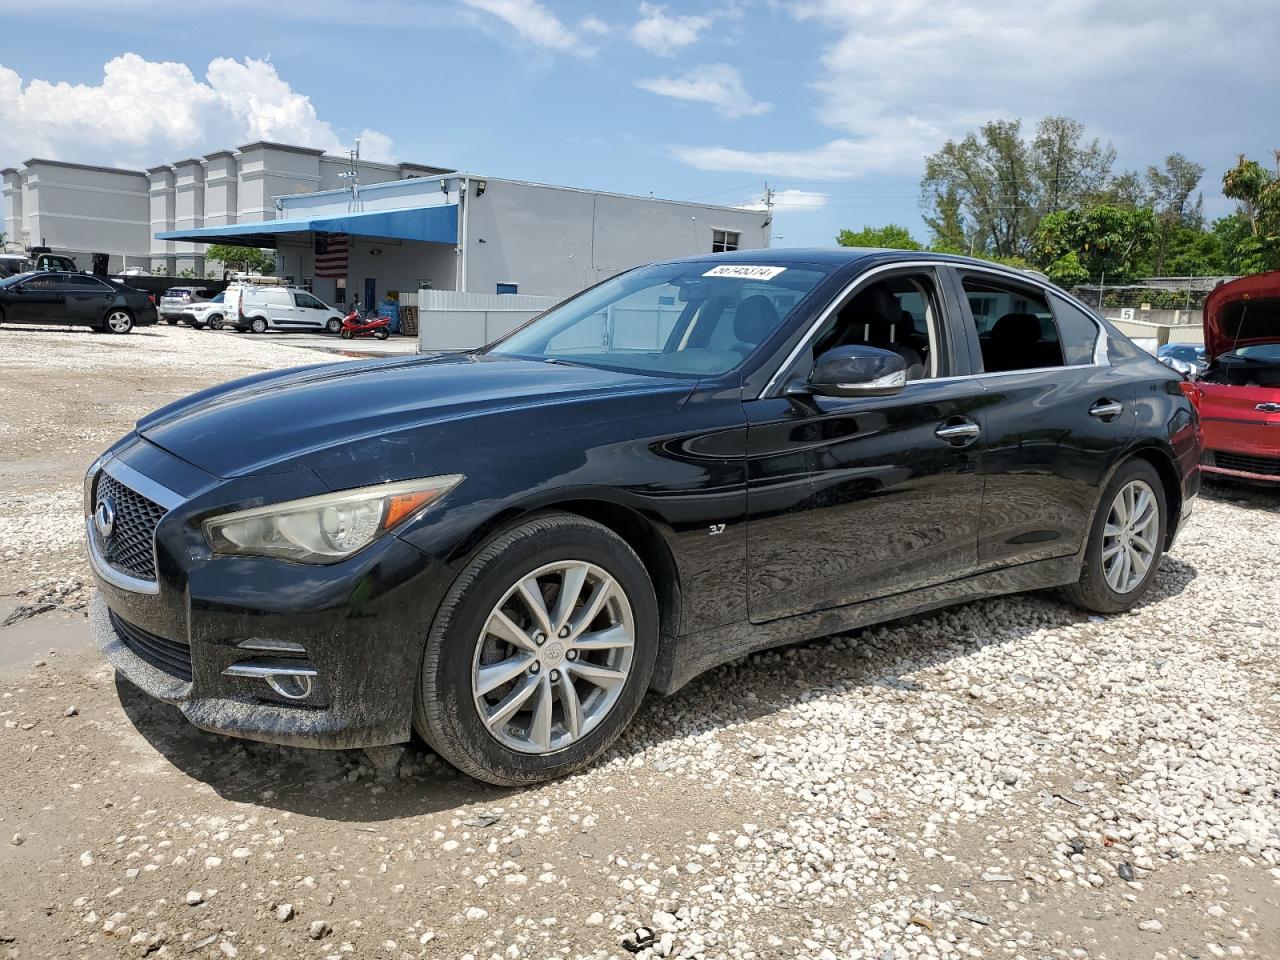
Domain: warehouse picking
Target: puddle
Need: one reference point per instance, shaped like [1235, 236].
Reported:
[27, 641]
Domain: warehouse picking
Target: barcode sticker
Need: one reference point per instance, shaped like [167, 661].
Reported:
[744, 271]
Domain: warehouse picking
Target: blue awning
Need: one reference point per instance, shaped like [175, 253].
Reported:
[438, 224]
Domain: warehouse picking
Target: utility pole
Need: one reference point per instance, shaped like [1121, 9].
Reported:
[352, 174]
[1102, 285]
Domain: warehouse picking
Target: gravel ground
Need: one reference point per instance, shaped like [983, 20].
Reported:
[1007, 778]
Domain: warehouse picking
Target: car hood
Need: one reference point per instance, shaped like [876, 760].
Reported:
[284, 420]
[1224, 329]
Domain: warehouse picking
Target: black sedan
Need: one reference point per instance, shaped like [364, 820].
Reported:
[74, 298]
[504, 550]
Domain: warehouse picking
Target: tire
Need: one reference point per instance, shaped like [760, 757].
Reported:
[447, 709]
[215, 322]
[118, 321]
[171, 322]
[381, 334]
[333, 325]
[346, 334]
[259, 325]
[1095, 591]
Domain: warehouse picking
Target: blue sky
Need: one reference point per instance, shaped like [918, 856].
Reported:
[833, 102]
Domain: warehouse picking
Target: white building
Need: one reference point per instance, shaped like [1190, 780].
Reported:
[82, 209]
[458, 231]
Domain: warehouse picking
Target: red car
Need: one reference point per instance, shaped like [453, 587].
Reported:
[1240, 390]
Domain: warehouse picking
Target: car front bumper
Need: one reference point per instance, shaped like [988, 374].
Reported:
[209, 636]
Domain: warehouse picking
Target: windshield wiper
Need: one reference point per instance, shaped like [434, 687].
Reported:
[567, 363]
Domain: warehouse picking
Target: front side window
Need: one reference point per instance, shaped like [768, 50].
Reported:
[681, 319]
[1015, 326]
[310, 302]
[724, 241]
[899, 314]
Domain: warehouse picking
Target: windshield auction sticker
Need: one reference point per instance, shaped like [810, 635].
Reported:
[744, 271]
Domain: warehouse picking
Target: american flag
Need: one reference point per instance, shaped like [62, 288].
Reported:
[331, 256]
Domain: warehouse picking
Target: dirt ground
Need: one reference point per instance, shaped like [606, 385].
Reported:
[1006, 779]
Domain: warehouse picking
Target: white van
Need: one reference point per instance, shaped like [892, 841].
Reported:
[263, 308]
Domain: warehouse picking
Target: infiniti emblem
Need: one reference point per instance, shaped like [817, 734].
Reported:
[104, 518]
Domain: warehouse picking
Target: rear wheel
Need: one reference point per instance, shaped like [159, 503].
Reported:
[540, 653]
[1126, 541]
[259, 325]
[381, 334]
[118, 321]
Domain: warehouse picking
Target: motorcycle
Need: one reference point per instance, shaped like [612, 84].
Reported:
[354, 325]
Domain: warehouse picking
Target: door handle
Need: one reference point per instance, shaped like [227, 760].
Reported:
[1106, 409]
[958, 432]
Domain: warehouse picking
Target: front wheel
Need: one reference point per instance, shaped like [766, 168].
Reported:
[333, 325]
[171, 322]
[540, 653]
[215, 322]
[259, 325]
[118, 321]
[346, 334]
[1126, 541]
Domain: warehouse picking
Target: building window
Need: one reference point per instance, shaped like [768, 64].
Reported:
[340, 290]
[722, 241]
[507, 288]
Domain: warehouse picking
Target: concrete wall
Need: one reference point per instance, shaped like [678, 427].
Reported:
[555, 241]
[1161, 333]
[398, 265]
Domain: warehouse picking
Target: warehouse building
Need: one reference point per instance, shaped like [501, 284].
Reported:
[485, 235]
[82, 209]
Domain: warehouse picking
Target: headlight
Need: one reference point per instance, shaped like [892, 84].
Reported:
[326, 528]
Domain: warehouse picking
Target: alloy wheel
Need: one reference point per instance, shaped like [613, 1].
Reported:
[119, 322]
[1129, 536]
[553, 657]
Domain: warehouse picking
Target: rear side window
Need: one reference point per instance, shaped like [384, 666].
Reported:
[1015, 326]
[1077, 330]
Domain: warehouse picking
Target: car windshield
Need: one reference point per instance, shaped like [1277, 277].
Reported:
[218, 298]
[1262, 352]
[669, 319]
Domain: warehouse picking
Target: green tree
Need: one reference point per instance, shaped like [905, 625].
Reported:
[243, 259]
[947, 225]
[1169, 193]
[889, 237]
[997, 185]
[1257, 191]
[1106, 239]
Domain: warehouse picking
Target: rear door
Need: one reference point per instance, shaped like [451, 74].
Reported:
[1056, 417]
[855, 498]
[279, 307]
[86, 298]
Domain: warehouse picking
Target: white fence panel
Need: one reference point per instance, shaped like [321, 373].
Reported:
[450, 320]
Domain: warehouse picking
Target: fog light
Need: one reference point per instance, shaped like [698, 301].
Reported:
[293, 681]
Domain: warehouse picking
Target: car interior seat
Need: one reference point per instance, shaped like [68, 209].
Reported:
[1015, 344]
[753, 322]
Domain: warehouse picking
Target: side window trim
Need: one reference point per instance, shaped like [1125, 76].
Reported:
[947, 343]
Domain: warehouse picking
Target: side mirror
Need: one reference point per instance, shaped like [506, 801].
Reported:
[858, 371]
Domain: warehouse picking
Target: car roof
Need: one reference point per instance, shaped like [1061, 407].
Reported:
[842, 256]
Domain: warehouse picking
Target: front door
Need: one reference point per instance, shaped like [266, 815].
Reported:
[850, 499]
[41, 299]
[310, 311]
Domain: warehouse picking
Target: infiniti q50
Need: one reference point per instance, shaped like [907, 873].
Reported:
[504, 550]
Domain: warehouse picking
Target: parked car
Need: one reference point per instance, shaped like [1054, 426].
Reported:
[1240, 389]
[694, 460]
[263, 308]
[1194, 356]
[14, 263]
[209, 313]
[74, 298]
[176, 302]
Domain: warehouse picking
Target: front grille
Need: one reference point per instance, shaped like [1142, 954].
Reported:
[131, 545]
[1242, 461]
[168, 655]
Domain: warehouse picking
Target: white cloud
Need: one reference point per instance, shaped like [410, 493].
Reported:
[144, 111]
[536, 24]
[593, 24]
[798, 201]
[894, 81]
[716, 83]
[666, 35]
